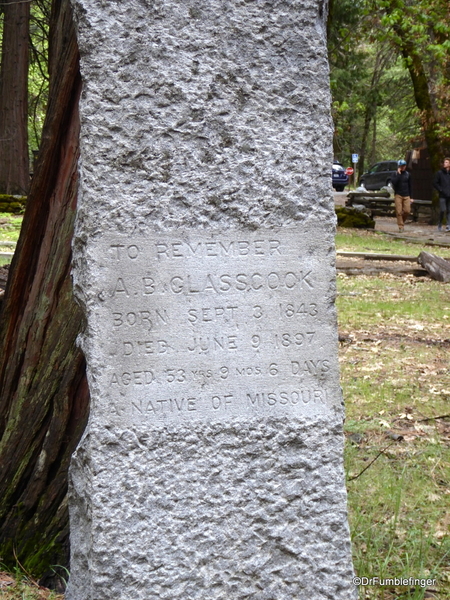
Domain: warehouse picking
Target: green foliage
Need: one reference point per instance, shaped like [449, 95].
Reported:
[373, 106]
[390, 70]
[420, 32]
[38, 78]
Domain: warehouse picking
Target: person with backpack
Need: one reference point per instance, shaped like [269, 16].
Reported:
[442, 184]
[401, 182]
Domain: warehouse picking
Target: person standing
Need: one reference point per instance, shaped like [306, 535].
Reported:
[442, 184]
[401, 182]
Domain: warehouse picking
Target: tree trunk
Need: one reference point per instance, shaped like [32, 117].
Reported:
[423, 97]
[43, 391]
[424, 104]
[14, 165]
[437, 267]
[381, 61]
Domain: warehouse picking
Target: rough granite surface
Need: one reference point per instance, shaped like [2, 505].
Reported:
[204, 116]
[204, 112]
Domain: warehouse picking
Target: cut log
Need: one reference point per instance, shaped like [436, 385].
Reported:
[363, 268]
[380, 203]
[374, 256]
[422, 241]
[437, 267]
[370, 202]
[367, 194]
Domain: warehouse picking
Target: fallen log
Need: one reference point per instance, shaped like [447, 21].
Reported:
[355, 268]
[375, 256]
[375, 201]
[379, 205]
[438, 268]
[423, 241]
[369, 194]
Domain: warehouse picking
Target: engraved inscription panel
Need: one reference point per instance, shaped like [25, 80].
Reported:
[209, 324]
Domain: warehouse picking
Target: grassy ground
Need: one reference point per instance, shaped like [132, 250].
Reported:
[20, 587]
[396, 381]
[394, 357]
[9, 232]
[375, 241]
[10, 226]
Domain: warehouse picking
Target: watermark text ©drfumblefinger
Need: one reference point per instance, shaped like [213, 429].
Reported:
[388, 581]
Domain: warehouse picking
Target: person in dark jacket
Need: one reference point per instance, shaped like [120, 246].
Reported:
[442, 184]
[401, 182]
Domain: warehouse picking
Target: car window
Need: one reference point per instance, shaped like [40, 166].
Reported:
[337, 167]
[383, 167]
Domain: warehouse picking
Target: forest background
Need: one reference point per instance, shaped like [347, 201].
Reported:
[390, 75]
[389, 72]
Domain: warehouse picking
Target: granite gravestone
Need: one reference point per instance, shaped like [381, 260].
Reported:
[211, 467]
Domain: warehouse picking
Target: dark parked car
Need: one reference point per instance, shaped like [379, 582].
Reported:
[379, 175]
[339, 177]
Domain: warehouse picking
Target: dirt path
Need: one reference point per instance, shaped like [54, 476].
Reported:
[420, 230]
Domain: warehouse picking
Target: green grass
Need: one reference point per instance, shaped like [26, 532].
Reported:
[10, 227]
[398, 515]
[395, 375]
[354, 240]
[9, 232]
[20, 586]
[400, 303]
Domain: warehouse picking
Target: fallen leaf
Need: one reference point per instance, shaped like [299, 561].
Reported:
[6, 580]
[434, 497]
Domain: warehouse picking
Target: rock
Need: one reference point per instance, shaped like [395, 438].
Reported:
[354, 217]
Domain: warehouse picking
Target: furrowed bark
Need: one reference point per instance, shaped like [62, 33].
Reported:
[14, 167]
[43, 391]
